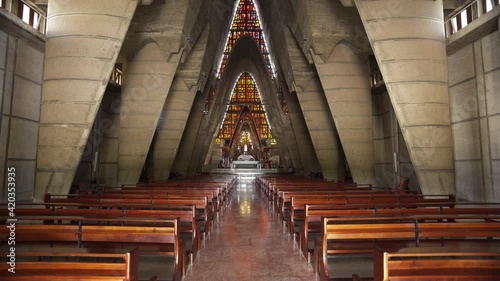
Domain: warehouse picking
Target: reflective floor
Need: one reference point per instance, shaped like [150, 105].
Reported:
[249, 244]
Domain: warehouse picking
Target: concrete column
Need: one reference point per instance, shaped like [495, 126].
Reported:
[147, 81]
[408, 40]
[309, 161]
[83, 42]
[348, 91]
[321, 128]
[186, 147]
[171, 127]
[293, 149]
[189, 78]
[201, 148]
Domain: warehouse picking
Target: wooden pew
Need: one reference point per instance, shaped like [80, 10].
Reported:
[395, 200]
[201, 202]
[161, 239]
[53, 264]
[314, 213]
[438, 263]
[186, 216]
[285, 197]
[214, 195]
[286, 203]
[351, 236]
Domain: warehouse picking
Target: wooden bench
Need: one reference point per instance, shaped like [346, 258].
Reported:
[314, 213]
[204, 214]
[285, 197]
[437, 263]
[286, 202]
[62, 264]
[298, 204]
[186, 216]
[162, 239]
[215, 195]
[361, 235]
[223, 188]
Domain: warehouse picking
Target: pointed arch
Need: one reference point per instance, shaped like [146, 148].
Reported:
[245, 95]
[246, 21]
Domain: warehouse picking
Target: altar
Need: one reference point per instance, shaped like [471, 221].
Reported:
[245, 164]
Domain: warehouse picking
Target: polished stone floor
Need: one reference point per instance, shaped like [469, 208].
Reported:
[248, 243]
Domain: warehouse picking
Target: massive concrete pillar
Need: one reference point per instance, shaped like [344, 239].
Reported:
[306, 150]
[294, 150]
[83, 42]
[314, 107]
[186, 147]
[171, 127]
[321, 128]
[346, 82]
[201, 147]
[408, 40]
[147, 80]
[189, 78]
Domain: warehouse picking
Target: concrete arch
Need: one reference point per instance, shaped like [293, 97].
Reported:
[133, 51]
[246, 57]
[346, 83]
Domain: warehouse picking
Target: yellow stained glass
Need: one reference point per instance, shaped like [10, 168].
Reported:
[245, 95]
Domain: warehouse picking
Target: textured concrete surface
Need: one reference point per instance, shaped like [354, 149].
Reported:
[348, 92]
[177, 108]
[407, 39]
[146, 85]
[474, 73]
[413, 63]
[315, 110]
[82, 46]
[21, 59]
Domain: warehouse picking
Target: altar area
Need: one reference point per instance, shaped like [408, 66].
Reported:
[245, 164]
[245, 161]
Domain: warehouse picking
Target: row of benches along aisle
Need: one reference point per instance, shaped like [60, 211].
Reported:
[354, 232]
[146, 232]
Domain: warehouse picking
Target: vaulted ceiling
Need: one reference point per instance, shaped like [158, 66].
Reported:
[174, 100]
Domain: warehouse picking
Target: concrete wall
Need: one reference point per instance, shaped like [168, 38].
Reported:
[474, 75]
[388, 139]
[21, 60]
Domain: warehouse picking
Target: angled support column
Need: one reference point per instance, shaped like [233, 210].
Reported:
[186, 147]
[293, 149]
[83, 42]
[147, 81]
[309, 161]
[348, 92]
[171, 127]
[201, 147]
[321, 128]
[408, 40]
[189, 78]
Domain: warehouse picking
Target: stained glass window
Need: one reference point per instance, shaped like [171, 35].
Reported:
[245, 95]
[246, 22]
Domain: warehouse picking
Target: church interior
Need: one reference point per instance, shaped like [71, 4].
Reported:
[207, 140]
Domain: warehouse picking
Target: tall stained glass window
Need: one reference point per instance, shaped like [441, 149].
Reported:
[245, 94]
[246, 22]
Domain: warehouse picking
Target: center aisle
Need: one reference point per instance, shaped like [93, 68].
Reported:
[249, 244]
